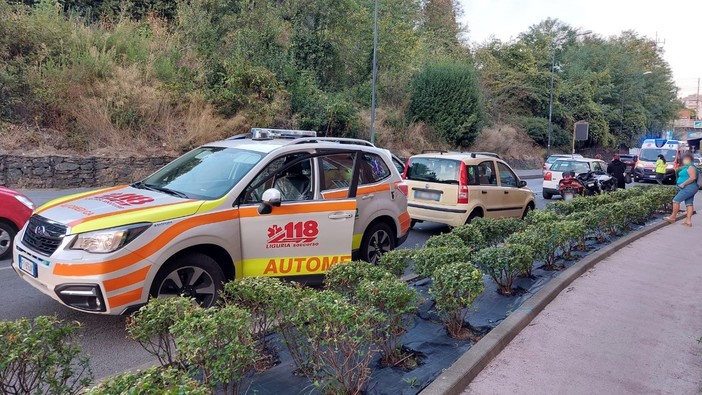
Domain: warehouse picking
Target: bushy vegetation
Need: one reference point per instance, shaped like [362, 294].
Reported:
[152, 381]
[454, 289]
[90, 75]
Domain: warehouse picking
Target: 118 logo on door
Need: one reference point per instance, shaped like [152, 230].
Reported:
[293, 234]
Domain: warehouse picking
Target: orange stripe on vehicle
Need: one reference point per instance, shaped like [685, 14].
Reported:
[247, 212]
[94, 217]
[93, 269]
[404, 217]
[80, 196]
[126, 280]
[124, 298]
[361, 191]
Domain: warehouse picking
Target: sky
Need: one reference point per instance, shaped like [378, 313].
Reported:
[675, 21]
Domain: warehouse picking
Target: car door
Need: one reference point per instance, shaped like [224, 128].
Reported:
[490, 194]
[513, 197]
[374, 187]
[305, 234]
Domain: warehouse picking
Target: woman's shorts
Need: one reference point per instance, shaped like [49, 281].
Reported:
[686, 194]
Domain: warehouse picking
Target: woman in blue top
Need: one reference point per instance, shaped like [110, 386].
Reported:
[687, 184]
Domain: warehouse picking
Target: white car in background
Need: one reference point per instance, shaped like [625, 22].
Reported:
[551, 159]
[578, 165]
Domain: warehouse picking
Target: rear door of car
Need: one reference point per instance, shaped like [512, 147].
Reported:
[488, 190]
[433, 180]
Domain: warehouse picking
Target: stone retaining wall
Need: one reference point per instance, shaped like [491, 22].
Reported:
[71, 172]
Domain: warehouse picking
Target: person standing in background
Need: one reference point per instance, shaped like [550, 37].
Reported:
[660, 169]
[617, 168]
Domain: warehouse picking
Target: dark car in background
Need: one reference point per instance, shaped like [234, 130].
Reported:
[15, 210]
[629, 161]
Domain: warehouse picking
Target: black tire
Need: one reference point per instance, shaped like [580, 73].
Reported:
[527, 210]
[199, 275]
[477, 213]
[7, 235]
[378, 239]
[548, 195]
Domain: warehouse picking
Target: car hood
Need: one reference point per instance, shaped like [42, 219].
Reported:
[111, 207]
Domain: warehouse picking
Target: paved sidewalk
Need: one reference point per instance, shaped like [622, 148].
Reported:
[628, 326]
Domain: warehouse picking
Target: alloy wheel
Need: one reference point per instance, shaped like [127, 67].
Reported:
[378, 244]
[189, 281]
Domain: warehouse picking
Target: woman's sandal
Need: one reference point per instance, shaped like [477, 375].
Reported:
[688, 225]
[670, 221]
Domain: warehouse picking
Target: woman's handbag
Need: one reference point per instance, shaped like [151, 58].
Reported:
[627, 178]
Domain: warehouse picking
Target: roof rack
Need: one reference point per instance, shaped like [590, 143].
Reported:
[434, 151]
[340, 140]
[492, 154]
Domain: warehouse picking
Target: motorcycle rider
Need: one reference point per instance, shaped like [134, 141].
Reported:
[617, 168]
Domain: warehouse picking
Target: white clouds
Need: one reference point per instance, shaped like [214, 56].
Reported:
[675, 21]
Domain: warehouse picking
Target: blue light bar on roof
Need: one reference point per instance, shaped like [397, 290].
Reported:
[263, 133]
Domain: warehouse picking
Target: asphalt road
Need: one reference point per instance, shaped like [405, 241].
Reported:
[103, 337]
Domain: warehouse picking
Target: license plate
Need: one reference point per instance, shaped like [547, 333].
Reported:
[424, 195]
[651, 177]
[27, 266]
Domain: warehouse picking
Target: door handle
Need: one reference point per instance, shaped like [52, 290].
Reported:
[340, 215]
[368, 196]
[483, 192]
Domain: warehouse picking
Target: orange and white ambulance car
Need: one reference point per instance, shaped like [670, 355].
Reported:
[270, 203]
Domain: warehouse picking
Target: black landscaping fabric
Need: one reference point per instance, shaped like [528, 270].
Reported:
[426, 337]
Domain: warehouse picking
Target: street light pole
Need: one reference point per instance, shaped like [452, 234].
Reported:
[375, 72]
[550, 99]
[550, 102]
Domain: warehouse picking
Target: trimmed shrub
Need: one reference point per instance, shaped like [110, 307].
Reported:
[217, 343]
[396, 301]
[344, 279]
[259, 296]
[290, 301]
[152, 381]
[496, 230]
[448, 240]
[150, 326]
[542, 239]
[396, 261]
[446, 96]
[504, 263]
[41, 356]
[341, 338]
[427, 260]
[471, 236]
[538, 217]
[454, 289]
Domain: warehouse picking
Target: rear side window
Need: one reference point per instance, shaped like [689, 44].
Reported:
[571, 165]
[440, 170]
[373, 169]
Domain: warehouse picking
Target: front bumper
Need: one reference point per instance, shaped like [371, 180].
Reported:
[111, 293]
[643, 175]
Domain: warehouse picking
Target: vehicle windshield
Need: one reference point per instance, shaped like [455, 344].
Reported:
[205, 173]
[651, 154]
[571, 165]
[434, 170]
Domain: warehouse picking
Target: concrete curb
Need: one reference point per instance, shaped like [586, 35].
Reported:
[456, 378]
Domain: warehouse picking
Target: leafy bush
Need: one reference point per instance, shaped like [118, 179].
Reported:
[260, 296]
[454, 289]
[396, 301]
[448, 240]
[427, 260]
[344, 279]
[152, 381]
[496, 230]
[538, 217]
[290, 300]
[471, 236]
[396, 261]
[340, 336]
[41, 356]
[543, 240]
[446, 95]
[217, 342]
[150, 326]
[537, 129]
[504, 263]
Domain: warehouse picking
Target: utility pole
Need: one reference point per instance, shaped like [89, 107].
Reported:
[375, 72]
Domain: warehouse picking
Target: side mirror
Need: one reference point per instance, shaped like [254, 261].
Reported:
[521, 184]
[271, 198]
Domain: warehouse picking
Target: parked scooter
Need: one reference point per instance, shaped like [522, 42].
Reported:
[569, 186]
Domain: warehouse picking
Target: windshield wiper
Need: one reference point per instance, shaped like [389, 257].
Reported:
[142, 185]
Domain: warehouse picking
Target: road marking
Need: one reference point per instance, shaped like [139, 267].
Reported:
[5, 268]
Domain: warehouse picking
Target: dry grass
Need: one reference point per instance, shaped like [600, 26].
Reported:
[508, 142]
[399, 136]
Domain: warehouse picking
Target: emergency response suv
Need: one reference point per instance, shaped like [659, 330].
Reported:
[272, 203]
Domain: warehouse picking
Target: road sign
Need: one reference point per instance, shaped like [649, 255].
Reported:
[581, 130]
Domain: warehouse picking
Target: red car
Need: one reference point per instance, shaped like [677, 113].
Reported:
[15, 210]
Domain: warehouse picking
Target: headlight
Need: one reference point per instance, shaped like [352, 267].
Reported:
[107, 240]
[25, 201]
